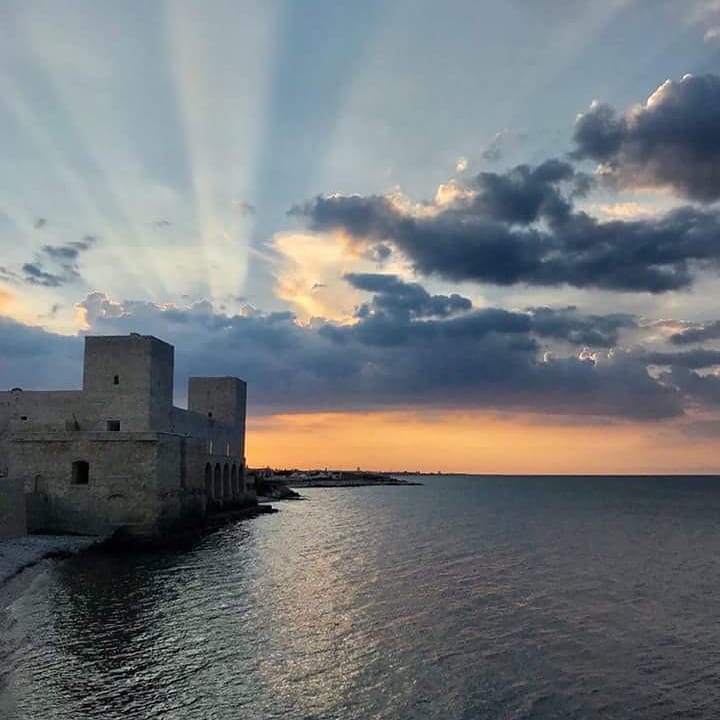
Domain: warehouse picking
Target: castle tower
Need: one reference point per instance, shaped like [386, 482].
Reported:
[222, 399]
[130, 378]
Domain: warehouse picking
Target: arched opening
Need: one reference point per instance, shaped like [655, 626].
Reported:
[226, 482]
[208, 481]
[234, 481]
[217, 489]
[80, 472]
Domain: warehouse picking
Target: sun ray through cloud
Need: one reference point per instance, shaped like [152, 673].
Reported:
[223, 120]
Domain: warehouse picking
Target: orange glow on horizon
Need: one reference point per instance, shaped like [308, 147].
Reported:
[476, 443]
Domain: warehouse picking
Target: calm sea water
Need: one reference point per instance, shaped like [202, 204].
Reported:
[467, 598]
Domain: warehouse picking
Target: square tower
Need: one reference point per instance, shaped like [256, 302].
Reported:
[223, 399]
[128, 382]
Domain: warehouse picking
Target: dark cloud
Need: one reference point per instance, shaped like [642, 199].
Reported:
[40, 223]
[63, 260]
[524, 194]
[62, 253]
[162, 223]
[693, 359]
[492, 153]
[31, 357]
[379, 253]
[578, 329]
[399, 355]
[695, 387]
[244, 208]
[496, 149]
[8, 275]
[520, 227]
[54, 310]
[35, 275]
[671, 141]
[710, 331]
[396, 298]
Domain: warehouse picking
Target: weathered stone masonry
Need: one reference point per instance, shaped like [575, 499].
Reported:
[117, 454]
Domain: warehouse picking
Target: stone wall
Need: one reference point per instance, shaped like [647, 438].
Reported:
[49, 410]
[147, 461]
[128, 379]
[13, 521]
[223, 400]
[120, 490]
[180, 481]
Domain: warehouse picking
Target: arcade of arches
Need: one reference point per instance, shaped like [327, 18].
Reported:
[224, 482]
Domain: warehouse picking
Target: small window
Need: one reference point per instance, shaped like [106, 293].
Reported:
[23, 417]
[210, 414]
[210, 447]
[116, 380]
[80, 472]
[113, 425]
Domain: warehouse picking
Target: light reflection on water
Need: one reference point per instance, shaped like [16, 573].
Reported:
[464, 598]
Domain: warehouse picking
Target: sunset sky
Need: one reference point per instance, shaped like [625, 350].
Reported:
[476, 235]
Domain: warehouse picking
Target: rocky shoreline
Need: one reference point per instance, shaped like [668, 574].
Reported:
[18, 554]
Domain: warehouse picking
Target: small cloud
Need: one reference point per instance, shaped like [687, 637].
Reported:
[52, 313]
[461, 164]
[8, 275]
[712, 36]
[35, 275]
[61, 252]
[379, 253]
[63, 262]
[706, 14]
[162, 223]
[318, 286]
[496, 149]
[242, 207]
[40, 223]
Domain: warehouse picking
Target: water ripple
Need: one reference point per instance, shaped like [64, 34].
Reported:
[464, 598]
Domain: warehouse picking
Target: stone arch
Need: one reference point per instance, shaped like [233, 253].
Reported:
[217, 484]
[234, 480]
[226, 482]
[208, 481]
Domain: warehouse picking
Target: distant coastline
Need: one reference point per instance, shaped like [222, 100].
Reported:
[274, 480]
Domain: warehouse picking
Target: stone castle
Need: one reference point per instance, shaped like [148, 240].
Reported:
[117, 455]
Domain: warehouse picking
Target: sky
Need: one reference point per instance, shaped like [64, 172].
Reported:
[472, 236]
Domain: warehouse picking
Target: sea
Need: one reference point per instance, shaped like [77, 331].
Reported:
[466, 597]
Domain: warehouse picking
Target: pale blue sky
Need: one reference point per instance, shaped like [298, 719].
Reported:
[142, 123]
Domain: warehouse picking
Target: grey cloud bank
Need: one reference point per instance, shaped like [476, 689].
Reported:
[522, 226]
[407, 348]
[522, 229]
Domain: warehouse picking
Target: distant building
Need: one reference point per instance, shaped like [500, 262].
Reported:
[117, 455]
